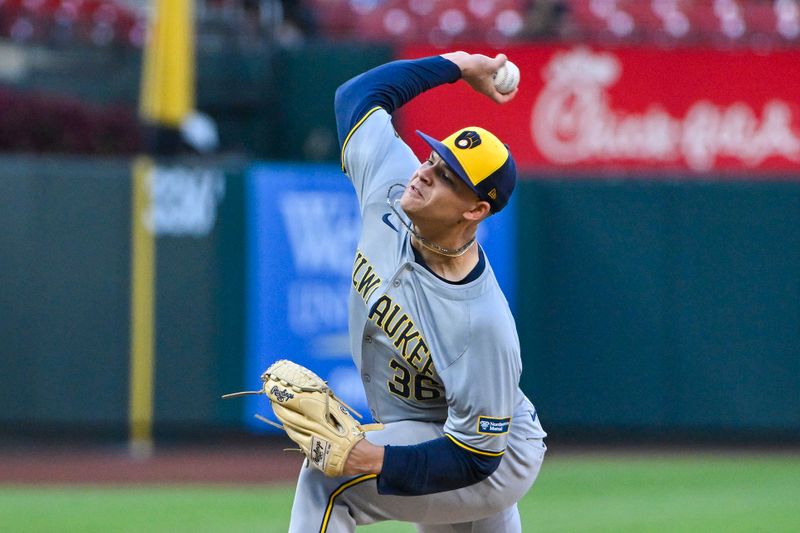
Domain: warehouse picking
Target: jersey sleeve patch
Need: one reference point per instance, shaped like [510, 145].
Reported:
[493, 426]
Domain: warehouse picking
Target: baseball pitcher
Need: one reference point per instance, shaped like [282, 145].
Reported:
[430, 330]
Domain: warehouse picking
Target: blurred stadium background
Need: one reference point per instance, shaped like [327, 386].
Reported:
[173, 219]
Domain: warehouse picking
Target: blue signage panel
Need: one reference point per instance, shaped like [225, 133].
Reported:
[302, 224]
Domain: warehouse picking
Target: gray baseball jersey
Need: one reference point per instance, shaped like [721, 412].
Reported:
[427, 350]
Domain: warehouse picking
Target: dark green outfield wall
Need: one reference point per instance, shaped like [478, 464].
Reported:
[661, 307]
[644, 308]
[63, 291]
[65, 296]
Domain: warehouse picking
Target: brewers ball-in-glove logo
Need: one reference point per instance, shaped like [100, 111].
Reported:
[468, 139]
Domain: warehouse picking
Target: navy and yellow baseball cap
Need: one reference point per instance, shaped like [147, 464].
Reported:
[481, 161]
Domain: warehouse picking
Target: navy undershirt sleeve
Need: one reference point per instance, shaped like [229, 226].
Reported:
[389, 86]
[433, 466]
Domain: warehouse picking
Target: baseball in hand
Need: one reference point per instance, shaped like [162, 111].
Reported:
[506, 78]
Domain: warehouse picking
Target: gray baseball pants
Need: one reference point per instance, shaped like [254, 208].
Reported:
[337, 505]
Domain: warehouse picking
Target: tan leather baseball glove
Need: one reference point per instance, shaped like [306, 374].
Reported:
[313, 417]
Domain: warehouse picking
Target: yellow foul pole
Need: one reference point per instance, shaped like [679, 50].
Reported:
[166, 97]
[167, 91]
[142, 345]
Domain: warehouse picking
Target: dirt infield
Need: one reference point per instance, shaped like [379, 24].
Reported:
[224, 464]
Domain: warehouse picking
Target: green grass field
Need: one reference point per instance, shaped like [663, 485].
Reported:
[639, 493]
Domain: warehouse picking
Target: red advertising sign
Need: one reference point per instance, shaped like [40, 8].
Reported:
[582, 108]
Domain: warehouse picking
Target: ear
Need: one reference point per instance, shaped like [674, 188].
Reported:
[480, 210]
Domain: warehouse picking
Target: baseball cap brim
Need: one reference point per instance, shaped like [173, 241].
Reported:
[450, 159]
